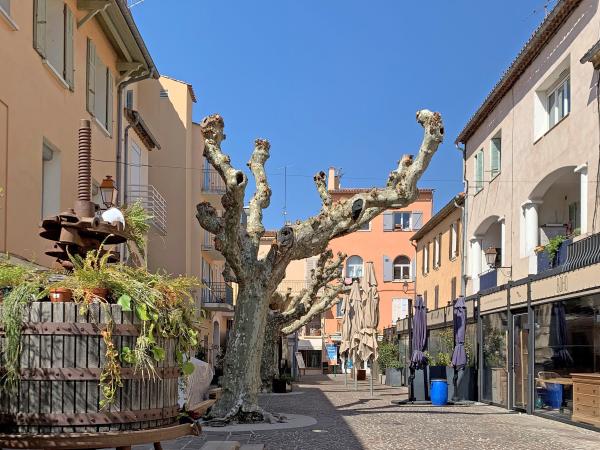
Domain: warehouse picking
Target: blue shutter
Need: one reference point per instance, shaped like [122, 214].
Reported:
[39, 31]
[495, 156]
[91, 77]
[417, 220]
[69, 56]
[388, 269]
[388, 221]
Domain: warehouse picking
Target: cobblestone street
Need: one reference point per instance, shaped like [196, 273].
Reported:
[350, 420]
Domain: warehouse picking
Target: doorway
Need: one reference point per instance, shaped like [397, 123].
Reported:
[520, 361]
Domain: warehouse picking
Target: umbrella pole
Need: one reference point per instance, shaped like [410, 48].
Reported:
[355, 375]
[371, 378]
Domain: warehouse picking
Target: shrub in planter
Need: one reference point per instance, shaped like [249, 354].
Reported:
[438, 365]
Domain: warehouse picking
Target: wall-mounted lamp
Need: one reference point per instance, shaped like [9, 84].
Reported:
[108, 192]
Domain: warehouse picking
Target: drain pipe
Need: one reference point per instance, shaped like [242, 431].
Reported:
[120, 88]
[465, 213]
[126, 156]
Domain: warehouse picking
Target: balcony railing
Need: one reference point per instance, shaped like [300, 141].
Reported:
[152, 201]
[217, 292]
[488, 280]
[208, 242]
[212, 182]
[293, 286]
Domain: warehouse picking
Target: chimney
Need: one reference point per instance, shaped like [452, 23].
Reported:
[333, 180]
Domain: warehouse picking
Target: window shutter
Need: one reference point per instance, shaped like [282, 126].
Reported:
[413, 269]
[440, 250]
[388, 269]
[109, 101]
[39, 33]
[495, 156]
[91, 77]
[311, 264]
[69, 57]
[388, 221]
[417, 220]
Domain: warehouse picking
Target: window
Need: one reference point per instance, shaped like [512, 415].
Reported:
[402, 221]
[478, 171]
[339, 309]
[134, 167]
[453, 289]
[437, 245]
[354, 267]
[99, 89]
[495, 156]
[129, 99]
[574, 217]
[50, 181]
[426, 259]
[402, 268]
[365, 227]
[453, 247]
[53, 37]
[559, 102]
[436, 297]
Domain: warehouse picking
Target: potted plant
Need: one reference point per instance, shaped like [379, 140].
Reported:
[389, 364]
[11, 276]
[280, 384]
[438, 364]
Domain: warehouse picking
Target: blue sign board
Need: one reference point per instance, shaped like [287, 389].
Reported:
[332, 353]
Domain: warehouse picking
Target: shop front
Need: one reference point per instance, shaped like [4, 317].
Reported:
[540, 346]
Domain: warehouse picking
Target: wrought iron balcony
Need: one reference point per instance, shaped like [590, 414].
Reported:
[153, 202]
[212, 182]
[217, 296]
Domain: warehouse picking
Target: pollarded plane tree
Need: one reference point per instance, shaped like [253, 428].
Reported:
[258, 278]
[288, 313]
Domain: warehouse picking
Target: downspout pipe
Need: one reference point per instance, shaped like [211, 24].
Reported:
[152, 73]
[465, 213]
[126, 156]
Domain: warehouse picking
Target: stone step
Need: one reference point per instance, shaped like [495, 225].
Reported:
[221, 445]
[253, 447]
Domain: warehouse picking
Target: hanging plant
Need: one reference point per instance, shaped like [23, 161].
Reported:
[553, 246]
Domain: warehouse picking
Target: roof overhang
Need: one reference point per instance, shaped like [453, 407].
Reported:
[593, 56]
[456, 202]
[118, 24]
[534, 46]
[141, 129]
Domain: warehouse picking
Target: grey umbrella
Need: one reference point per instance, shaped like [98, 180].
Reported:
[419, 335]
[558, 336]
[459, 356]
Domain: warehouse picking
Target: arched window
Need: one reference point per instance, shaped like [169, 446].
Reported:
[402, 268]
[354, 267]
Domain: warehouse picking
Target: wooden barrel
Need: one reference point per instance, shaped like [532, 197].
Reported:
[61, 361]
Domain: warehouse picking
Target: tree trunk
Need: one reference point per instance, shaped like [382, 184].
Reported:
[241, 370]
[269, 368]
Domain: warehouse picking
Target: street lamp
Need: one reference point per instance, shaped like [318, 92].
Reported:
[491, 254]
[405, 286]
[108, 192]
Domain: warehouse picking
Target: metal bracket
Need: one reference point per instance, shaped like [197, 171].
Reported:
[94, 8]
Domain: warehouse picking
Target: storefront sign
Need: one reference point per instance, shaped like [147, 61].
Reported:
[332, 354]
[494, 301]
[566, 283]
[518, 295]
[300, 361]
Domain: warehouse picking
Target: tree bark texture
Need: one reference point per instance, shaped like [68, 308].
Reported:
[258, 278]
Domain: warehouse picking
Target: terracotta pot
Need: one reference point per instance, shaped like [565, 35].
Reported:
[60, 295]
[97, 294]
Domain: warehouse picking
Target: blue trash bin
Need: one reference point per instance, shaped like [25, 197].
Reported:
[554, 395]
[439, 392]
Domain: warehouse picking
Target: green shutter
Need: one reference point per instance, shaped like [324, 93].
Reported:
[495, 156]
[69, 56]
[109, 101]
[91, 77]
[39, 28]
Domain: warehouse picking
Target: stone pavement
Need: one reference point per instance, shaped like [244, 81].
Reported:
[348, 420]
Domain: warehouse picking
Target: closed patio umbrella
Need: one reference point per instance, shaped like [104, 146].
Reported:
[368, 333]
[419, 338]
[356, 299]
[348, 315]
[459, 356]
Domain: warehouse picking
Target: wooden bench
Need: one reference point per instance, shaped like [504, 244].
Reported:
[121, 440]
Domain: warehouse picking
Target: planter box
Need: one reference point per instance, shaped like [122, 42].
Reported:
[437, 372]
[279, 386]
[393, 377]
[420, 385]
[361, 374]
[466, 384]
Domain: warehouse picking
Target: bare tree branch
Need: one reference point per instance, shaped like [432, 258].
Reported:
[319, 180]
[208, 218]
[262, 196]
[343, 217]
[228, 241]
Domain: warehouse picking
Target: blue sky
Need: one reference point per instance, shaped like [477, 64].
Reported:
[337, 83]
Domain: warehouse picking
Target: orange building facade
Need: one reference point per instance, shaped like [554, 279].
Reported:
[387, 243]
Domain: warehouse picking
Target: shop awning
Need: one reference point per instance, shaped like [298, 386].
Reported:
[310, 344]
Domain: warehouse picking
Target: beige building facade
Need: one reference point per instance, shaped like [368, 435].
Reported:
[439, 256]
[531, 150]
[62, 61]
